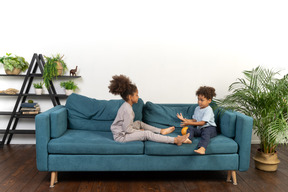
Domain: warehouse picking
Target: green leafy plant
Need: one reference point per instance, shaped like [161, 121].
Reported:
[38, 85]
[263, 97]
[10, 62]
[50, 68]
[69, 85]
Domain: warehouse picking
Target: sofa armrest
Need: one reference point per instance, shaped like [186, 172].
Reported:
[43, 136]
[58, 120]
[244, 125]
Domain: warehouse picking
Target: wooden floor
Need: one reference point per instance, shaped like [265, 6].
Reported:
[18, 172]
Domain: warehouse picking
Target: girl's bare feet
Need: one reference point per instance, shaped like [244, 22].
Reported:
[180, 139]
[200, 151]
[167, 130]
[187, 141]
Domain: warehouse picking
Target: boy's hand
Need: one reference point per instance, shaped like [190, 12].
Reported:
[180, 116]
[185, 122]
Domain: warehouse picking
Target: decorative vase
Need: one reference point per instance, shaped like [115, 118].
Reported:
[59, 68]
[38, 91]
[15, 71]
[266, 161]
[68, 91]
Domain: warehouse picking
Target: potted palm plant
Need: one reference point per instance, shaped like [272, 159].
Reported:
[69, 86]
[53, 67]
[265, 98]
[14, 65]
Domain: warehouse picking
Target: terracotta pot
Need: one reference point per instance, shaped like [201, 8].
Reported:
[266, 161]
[59, 68]
[15, 71]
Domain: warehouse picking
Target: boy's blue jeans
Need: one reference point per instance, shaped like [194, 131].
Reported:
[205, 133]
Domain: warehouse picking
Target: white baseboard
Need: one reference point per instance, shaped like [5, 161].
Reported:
[255, 141]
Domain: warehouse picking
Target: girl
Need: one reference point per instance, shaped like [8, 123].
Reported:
[123, 127]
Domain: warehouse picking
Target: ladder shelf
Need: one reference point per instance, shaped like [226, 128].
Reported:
[37, 61]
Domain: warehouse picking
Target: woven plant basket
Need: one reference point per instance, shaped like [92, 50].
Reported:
[59, 68]
[266, 161]
[15, 71]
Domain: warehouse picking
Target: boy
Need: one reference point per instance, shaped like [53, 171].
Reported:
[202, 123]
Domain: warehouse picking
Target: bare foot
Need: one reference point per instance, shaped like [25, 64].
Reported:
[200, 151]
[167, 130]
[180, 139]
[187, 141]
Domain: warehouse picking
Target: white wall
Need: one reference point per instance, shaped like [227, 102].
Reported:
[168, 48]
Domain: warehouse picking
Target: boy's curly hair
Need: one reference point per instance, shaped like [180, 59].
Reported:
[207, 92]
[122, 85]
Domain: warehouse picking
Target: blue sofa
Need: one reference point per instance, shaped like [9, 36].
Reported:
[77, 137]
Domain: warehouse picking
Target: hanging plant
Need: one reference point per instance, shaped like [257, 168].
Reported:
[51, 68]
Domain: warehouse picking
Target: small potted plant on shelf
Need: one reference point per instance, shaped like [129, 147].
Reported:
[53, 67]
[38, 88]
[265, 98]
[14, 65]
[69, 86]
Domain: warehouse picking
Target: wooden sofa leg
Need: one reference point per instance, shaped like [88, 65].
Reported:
[229, 176]
[234, 178]
[54, 178]
[233, 174]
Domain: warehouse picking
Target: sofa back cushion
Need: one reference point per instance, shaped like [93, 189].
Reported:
[164, 115]
[91, 114]
[227, 123]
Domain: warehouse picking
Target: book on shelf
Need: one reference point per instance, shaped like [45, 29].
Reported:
[30, 108]
[29, 105]
[30, 112]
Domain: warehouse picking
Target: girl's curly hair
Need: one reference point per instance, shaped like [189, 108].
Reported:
[122, 85]
[207, 92]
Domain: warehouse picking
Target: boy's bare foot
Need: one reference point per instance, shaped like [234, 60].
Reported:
[180, 139]
[200, 151]
[167, 130]
[187, 141]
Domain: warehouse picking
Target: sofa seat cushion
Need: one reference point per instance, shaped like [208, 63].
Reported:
[92, 142]
[218, 145]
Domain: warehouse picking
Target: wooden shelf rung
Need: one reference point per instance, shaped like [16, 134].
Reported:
[24, 131]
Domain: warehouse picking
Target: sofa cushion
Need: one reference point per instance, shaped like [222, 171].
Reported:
[227, 122]
[91, 114]
[92, 142]
[165, 114]
[218, 145]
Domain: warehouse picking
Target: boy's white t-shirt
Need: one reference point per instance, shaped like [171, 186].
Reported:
[206, 114]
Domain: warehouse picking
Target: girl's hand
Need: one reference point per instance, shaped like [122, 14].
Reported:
[141, 129]
[180, 116]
